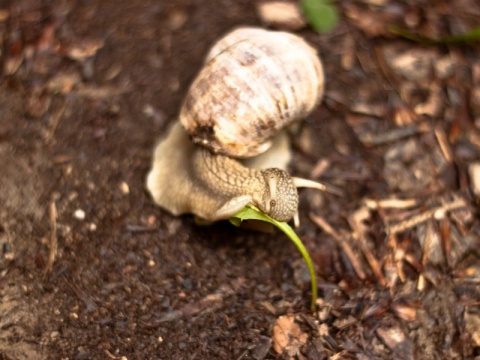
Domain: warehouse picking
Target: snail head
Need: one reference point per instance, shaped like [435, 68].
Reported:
[280, 198]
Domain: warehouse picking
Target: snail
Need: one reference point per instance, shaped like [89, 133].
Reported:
[253, 84]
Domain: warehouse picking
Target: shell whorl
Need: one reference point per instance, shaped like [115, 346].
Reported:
[254, 83]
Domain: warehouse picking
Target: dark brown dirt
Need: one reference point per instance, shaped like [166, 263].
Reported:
[130, 281]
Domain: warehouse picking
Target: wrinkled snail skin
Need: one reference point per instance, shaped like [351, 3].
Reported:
[190, 179]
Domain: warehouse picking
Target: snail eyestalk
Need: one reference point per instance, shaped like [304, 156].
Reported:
[305, 183]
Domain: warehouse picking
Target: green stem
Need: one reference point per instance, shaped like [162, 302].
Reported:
[252, 213]
[287, 230]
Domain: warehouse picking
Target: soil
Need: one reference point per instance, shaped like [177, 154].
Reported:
[90, 268]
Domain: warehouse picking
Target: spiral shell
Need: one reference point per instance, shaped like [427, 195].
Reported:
[254, 83]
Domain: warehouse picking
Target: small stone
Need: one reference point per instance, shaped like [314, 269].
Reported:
[177, 19]
[124, 188]
[79, 214]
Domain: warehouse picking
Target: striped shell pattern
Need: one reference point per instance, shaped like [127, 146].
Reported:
[254, 82]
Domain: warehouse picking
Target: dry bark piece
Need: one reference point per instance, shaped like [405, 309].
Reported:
[261, 348]
[12, 64]
[281, 14]
[287, 336]
[344, 323]
[82, 49]
[414, 64]
[404, 312]
[397, 342]
[372, 23]
[430, 240]
[472, 325]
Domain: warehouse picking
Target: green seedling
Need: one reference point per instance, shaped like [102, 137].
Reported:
[322, 15]
[250, 212]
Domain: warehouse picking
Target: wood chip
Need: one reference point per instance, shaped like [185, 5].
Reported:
[444, 144]
[474, 174]
[287, 336]
[396, 341]
[404, 312]
[344, 323]
[414, 64]
[472, 326]
[82, 49]
[281, 14]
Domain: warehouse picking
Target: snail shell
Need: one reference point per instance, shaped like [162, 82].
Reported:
[254, 83]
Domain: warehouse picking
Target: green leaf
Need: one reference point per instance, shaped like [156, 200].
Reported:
[250, 212]
[473, 35]
[320, 14]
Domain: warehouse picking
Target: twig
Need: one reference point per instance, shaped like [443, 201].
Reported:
[347, 249]
[53, 238]
[355, 221]
[421, 218]
[372, 261]
[394, 134]
[427, 245]
[398, 256]
[446, 240]
[110, 355]
[444, 144]
[56, 121]
[391, 203]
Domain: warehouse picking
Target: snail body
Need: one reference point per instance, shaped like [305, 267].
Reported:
[215, 187]
[253, 84]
